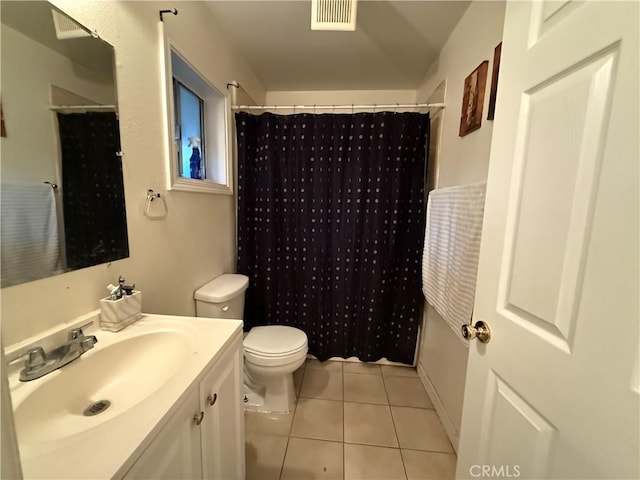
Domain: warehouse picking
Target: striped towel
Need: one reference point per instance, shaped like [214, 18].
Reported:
[29, 242]
[451, 249]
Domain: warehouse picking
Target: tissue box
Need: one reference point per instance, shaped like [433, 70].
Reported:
[117, 314]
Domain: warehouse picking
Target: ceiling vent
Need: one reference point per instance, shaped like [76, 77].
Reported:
[67, 28]
[333, 15]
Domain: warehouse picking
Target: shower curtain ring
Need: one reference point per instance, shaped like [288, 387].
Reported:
[396, 109]
[352, 109]
[374, 107]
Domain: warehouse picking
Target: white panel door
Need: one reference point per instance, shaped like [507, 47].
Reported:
[555, 393]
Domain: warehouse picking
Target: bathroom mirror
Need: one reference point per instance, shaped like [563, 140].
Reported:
[61, 173]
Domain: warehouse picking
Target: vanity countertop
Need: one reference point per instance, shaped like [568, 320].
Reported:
[145, 371]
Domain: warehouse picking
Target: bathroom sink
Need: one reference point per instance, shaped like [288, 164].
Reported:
[131, 382]
[104, 383]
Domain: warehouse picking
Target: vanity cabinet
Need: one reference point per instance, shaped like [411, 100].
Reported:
[204, 437]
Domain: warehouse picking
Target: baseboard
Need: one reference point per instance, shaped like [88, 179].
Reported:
[448, 425]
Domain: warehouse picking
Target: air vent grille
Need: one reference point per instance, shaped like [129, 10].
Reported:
[333, 15]
[67, 28]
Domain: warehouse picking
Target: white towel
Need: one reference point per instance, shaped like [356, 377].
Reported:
[29, 242]
[451, 249]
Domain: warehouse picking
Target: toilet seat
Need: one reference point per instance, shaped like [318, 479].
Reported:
[274, 345]
[275, 340]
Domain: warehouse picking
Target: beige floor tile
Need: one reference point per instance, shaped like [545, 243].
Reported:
[297, 379]
[323, 384]
[406, 392]
[359, 367]
[420, 429]
[429, 465]
[366, 462]
[393, 371]
[318, 419]
[264, 456]
[314, 364]
[364, 388]
[369, 424]
[313, 459]
[268, 423]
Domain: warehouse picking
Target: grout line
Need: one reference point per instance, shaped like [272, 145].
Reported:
[403, 465]
[285, 456]
[344, 438]
[430, 451]
[367, 403]
[386, 394]
[395, 429]
[293, 417]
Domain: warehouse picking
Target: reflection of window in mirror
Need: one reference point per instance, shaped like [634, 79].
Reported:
[198, 118]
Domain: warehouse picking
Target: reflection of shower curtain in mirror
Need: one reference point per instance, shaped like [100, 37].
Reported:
[92, 189]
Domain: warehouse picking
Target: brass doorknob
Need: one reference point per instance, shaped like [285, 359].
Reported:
[480, 330]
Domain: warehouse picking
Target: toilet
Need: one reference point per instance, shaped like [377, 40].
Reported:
[271, 353]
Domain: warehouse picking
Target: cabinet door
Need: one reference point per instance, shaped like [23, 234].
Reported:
[175, 452]
[223, 425]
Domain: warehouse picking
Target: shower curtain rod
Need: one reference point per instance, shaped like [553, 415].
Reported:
[374, 106]
[83, 108]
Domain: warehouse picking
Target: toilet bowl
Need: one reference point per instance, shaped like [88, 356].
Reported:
[271, 353]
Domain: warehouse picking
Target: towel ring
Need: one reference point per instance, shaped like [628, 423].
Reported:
[151, 196]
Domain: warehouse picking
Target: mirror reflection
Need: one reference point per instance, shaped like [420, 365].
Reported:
[61, 173]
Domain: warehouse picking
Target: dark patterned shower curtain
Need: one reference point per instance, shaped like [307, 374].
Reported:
[331, 228]
[95, 224]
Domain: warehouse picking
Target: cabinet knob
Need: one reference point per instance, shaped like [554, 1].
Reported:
[197, 418]
[212, 399]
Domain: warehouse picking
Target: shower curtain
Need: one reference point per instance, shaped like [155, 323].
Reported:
[331, 228]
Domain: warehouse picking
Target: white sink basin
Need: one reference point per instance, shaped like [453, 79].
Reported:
[125, 373]
[143, 370]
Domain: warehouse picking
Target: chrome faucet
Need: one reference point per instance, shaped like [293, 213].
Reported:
[38, 364]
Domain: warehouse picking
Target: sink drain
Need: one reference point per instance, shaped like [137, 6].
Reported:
[96, 408]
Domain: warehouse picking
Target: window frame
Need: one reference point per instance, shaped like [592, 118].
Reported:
[222, 151]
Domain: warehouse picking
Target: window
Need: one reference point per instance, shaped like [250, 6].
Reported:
[198, 118]
[190, 141]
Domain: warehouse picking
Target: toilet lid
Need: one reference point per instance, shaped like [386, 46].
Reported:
[275, 340]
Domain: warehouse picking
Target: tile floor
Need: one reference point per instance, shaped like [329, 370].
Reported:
[352, 421]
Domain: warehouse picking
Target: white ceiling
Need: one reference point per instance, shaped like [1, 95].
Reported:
[393, 46]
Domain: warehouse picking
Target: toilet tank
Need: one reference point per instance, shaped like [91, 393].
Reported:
[222, 297]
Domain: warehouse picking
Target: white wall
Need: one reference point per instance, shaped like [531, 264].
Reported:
[462, 160]
[196, 242]
[29, 69]
[465, 159]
